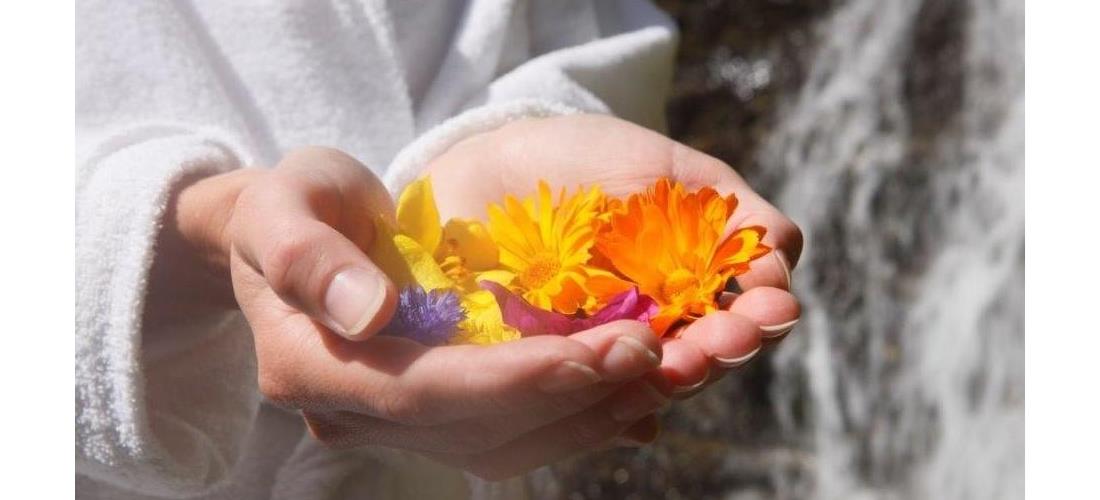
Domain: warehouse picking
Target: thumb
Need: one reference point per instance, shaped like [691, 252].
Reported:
[315, 269]
[308, 263]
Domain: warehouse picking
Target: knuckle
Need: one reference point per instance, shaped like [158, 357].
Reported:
[326, 431]
[277, 388]
[322, 159]
[280, 259]
[271, 380]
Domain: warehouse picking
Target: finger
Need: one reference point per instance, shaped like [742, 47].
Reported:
[400, 380]
[696, 169]
[773, 269]
[726, 338]
[284, 230]
[589, 430]
[318, 271]
[624, 350]
[709, 347]
[684, 364]
[732, 339]
[470, 381]
[780, 234]
[474, 435]
[775, 311]
[627, 349]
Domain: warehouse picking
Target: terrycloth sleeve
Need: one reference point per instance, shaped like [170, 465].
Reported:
[162, 407]
[544, 58]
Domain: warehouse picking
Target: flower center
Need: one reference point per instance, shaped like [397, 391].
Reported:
[679, 287]
[540, 270]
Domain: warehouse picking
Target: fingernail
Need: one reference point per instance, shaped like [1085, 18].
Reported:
[691, 388]
[735, 362]
[638, 404]
[569, 376]
[353, 298]
[624, 354]
[781, 258]
[779, 330]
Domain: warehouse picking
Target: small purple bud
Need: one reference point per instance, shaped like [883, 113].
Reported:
[430, 318]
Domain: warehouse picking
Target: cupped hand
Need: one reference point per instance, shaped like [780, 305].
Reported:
[624, 158]
[293, 240]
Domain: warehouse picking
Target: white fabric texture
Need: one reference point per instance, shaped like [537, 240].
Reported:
[168, 408]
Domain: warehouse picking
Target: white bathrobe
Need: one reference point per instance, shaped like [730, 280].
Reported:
[168, 407]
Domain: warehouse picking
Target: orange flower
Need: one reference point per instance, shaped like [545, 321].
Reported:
[668, 242]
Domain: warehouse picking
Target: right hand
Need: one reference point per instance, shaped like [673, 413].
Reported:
[293, 240]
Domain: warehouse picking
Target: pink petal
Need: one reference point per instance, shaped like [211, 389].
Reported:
[530, 320]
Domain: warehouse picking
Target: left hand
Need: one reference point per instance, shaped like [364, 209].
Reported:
[625, 158]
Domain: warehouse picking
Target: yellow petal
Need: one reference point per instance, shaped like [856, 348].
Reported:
[417, 215]
[483, 324]
[498, 276]
[423, 268]
[385, 254]
[470, 240]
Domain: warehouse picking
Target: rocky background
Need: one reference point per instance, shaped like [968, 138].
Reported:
[891, 131]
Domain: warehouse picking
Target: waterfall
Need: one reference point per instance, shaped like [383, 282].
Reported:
[912, 344]
[897, 146]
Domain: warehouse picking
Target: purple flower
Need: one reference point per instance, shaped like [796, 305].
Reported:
[430, 318]
[531, 320]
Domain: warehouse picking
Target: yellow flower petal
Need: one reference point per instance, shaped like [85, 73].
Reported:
[498, 276]
[385, 254]
[421, 264]
[470, 241]
[417, 215]
[545, 240]
[668, 242]
[483, 324]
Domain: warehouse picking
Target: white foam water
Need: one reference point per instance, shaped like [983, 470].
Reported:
[911, 343]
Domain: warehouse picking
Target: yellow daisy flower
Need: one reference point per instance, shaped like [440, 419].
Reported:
[546, 246]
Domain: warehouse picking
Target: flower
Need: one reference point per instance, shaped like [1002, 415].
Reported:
[530, 320]
[417, 251]
[547, 246]
[667, 241]
[449, 255]
[428, 317]
[484, 324]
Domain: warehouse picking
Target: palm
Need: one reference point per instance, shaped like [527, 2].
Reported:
[567, 151]
[624, 158]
